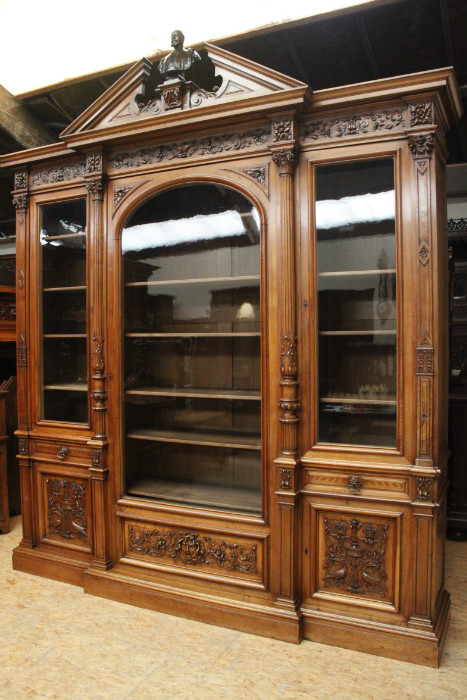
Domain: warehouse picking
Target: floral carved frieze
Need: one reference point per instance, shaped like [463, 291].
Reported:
[60, 173]
[193, 549]
[66, 509]
[209, 145]
[355, 555]
[354, 125]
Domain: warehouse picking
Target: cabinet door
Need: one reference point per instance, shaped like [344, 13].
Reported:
[357, 324]
[192, 349]
[63, 311]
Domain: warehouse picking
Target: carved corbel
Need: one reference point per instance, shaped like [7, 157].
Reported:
[422, 145]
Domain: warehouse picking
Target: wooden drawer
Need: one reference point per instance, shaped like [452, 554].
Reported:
[60, 452]
[345, 482]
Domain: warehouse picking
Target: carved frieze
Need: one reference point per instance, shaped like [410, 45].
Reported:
[354, 125]
[421, 113]
[422, 145]
[59, 173]
[193, 549]
[424, 488]
[355, 555]
[66, 508]
[209, 145]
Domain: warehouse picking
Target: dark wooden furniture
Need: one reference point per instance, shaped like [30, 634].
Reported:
[232, 353]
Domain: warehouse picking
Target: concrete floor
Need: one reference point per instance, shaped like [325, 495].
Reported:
[57, 642]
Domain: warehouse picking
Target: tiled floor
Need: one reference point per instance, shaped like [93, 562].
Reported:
[57, 642]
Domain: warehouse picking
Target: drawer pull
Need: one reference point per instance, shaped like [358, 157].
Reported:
[62, 452]
[355, 484]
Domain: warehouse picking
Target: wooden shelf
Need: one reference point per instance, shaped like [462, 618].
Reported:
[65, 335]
[78, 288]
[198, 494]
[211, 438]
[245, 395]
[197, 280]
[373, 332]
[64, 235]
[239, 334]
[369, 399]
[353, 273]
[70, 386]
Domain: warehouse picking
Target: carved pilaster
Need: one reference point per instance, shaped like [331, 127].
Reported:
[21, 204]
[99, 485]
[421, 146]
[286, 516]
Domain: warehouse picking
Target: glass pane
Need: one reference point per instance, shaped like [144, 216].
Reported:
[63, 311]
[192, 369]
[356, 248]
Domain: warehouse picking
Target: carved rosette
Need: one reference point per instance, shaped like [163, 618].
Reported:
[21, 180]
[421, 113]
[94, 163]
[422, 145]
[282, 130]
[193, 549]
[424, 253]
[424, 488]
[355, 554]
[66, 509]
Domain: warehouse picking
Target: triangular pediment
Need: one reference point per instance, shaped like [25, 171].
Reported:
[136, 98]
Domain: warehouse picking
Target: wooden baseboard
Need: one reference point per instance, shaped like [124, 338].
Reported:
[401, 643]
[263, 620]
[54, 566]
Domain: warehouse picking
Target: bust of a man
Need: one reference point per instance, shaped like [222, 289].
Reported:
[179, 60]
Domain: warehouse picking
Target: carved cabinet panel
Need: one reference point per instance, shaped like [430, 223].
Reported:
[66, 516]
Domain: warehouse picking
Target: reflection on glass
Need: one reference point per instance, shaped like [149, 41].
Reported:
[355, 223]
[63, 311]
[192, 370]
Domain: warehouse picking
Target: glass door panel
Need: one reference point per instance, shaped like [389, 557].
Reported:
[356, 254]
[63, 311]
[192, 368]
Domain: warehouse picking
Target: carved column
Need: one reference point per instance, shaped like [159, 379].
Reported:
[421, 146]
[95, 184]
[21, 204]
[285, 156]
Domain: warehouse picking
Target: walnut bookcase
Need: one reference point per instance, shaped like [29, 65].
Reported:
[232, 353]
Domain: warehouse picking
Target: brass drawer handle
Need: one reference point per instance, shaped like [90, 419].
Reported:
[62, 452]
[354, 484]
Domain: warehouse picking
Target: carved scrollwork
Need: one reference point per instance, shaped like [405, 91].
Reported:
[424, 488]
[422, 145]
[353, 125]
[209, 145]
[355, 556]
[61, 173]
[421, 113]
[66, 508]
[193, 549]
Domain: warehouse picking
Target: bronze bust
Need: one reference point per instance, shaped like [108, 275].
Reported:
[179, 60]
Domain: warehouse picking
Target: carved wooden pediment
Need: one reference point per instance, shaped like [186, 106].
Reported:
[136, 101]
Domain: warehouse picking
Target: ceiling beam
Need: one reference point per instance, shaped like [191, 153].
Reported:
[20, 124]
[368, 47]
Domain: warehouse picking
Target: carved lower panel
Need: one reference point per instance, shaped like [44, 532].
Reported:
[66, 509]
[198, 551]
[357, 555]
